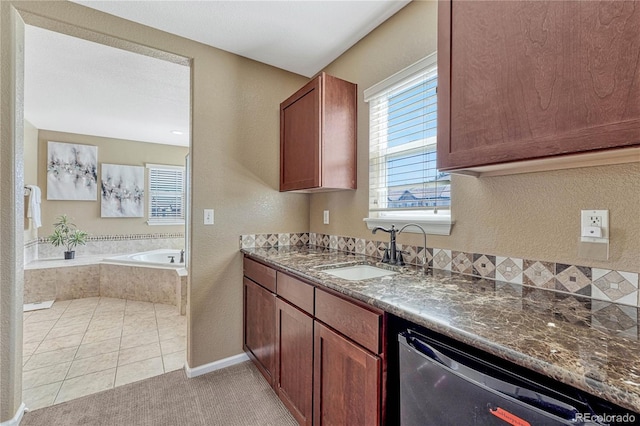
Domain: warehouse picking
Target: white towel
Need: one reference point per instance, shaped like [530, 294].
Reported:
[35, 198]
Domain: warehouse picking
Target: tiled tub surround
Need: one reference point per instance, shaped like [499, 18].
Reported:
[596, 283]
[88, 277]
[115, 244]
[155, 285]
[590, 344]
[30, 251]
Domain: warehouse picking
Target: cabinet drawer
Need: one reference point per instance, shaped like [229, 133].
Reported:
[358, 324]
[295, 291]
[260, 273]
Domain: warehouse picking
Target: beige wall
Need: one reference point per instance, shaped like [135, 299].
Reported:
[533, 216]
[235, 166]
[86, 214]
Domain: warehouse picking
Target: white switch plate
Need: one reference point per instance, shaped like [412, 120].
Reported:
[325, 217]
[594, 218]
[208, 216]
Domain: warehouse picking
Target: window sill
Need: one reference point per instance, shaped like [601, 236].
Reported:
[436, 225]
[151, 223]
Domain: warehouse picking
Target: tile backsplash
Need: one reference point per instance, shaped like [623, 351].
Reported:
[599, 284]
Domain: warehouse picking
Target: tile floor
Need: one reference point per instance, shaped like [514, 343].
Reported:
[83, 346]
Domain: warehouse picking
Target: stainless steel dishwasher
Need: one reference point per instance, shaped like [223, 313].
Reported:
[441, 385]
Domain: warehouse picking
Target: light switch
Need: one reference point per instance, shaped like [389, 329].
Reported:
[208, 216]
[325, 217]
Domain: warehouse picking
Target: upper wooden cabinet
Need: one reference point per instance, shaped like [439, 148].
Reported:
[523, 80]
[318, 136]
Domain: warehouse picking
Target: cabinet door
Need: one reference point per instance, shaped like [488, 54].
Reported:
[300, 139]
[346, 381]
[530, 79]
[294, 371]
[259, 327]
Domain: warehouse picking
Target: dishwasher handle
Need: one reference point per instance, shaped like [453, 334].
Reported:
[429, 351]
[519, 392]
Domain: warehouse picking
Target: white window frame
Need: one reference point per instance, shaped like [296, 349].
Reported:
[153, 221]
[434, 221]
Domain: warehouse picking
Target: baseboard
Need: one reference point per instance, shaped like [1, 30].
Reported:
[213, 366]
[15, 421]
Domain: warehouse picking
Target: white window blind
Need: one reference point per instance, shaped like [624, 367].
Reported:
[166, 194]
[403, 178]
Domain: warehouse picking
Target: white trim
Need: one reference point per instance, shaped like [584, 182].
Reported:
[162, 166]
[156, 223]
[431, 226]
[15, 421]
[213, 366]
[401, 75]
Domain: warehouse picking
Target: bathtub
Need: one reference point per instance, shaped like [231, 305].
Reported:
[153, 258]
[147, 276]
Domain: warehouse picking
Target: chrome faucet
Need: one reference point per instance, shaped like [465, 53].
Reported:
[390, 254]
[181, 256]
[424, 245]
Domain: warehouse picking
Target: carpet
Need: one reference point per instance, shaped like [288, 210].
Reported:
[236, 395]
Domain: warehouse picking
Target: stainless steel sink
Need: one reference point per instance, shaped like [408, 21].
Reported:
[358, 272]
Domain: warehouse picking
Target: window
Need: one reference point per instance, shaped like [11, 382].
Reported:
[166, 195]
[404, 183]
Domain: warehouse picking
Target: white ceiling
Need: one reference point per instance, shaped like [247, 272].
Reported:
[77, 86]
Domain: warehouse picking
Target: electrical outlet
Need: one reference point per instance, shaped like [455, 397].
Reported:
[594, 226]
[325, 217]
[595, 221]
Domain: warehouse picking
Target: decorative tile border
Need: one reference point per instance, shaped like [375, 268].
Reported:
[573, 279]
[276, 240]
[462, 262]
[125, 237]
[442, 259]
[614, 286]
[539, 274]
[484, 265]
[509, 269]
[598, 284]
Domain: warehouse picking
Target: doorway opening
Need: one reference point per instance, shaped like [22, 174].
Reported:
[130, 105]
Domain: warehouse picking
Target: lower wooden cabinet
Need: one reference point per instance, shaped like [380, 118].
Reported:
[259, 327]
[294, 361]
[321, 352]
[347, 381]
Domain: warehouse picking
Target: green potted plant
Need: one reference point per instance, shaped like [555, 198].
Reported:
[68, 235]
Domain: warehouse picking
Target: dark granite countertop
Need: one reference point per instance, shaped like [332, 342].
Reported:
[589, 344]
